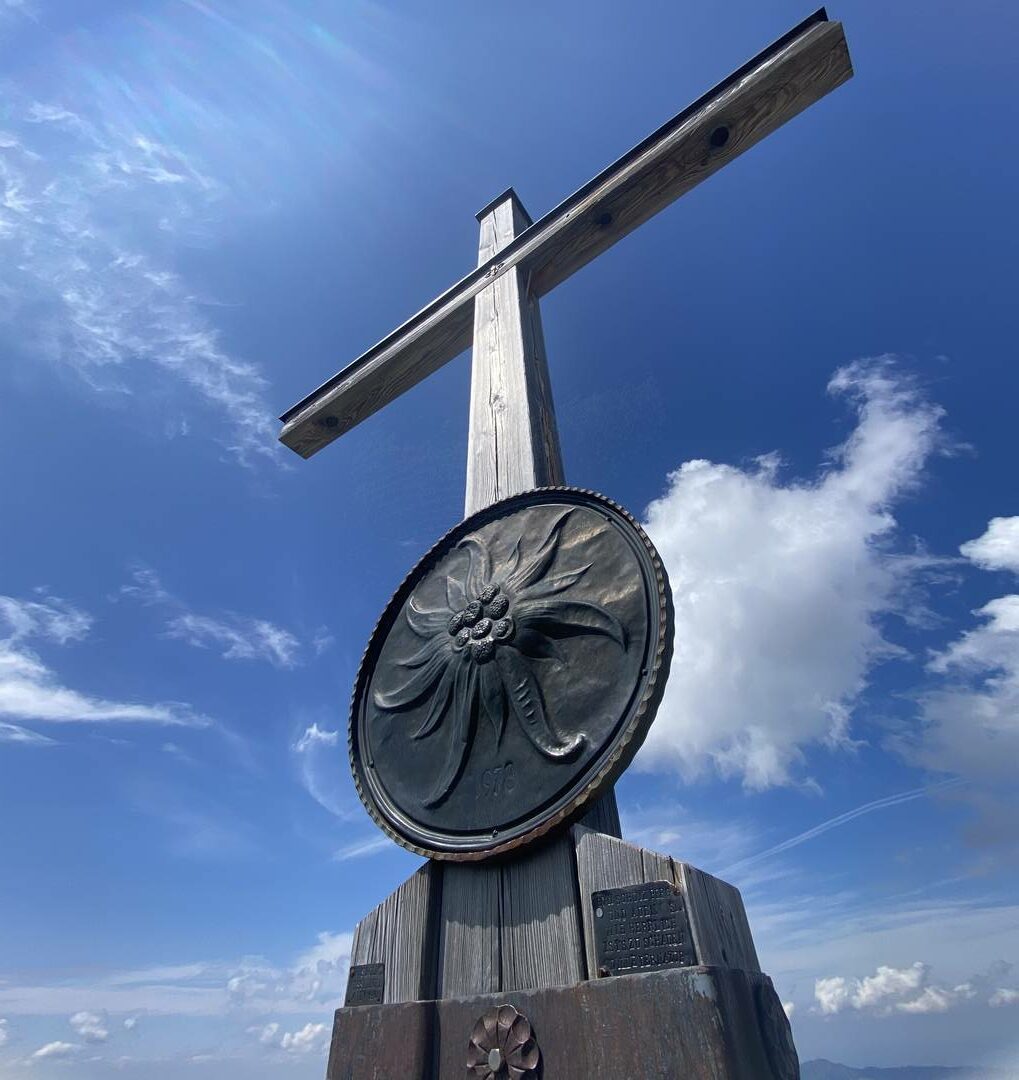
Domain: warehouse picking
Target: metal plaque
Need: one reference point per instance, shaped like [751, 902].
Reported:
[513, 676]
[366, 984]
[641, 928]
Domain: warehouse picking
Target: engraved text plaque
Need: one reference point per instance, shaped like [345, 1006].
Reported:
[366, 984]
[641, 928]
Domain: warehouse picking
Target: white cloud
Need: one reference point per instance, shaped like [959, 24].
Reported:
[14, 734]
[314, 981]
[997, 548]
[360, 849]
[312, 1037]
[932, 1000]
[4, 1035]
[789, 1008]
[54, 1050]
[51, 618]
[130, 1023]
[888, 802]
[315, 753]
[29, 690]
[314, 735]
[90, 1026]
[970, 724]
[904, 990]
[1004, 996]
[780, 587]
[266, 1033]
[91, 215]
[240, 637]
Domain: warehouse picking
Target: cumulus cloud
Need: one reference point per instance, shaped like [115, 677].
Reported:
[780, 588]
[312, 1037]
[266, 1033]
[240, 637]
[91, 213]
[997, 548]
[970, 724]
[53, 1050]
[318, 976]
[3, 1032]
[30, 690]
[900, 990]
[1004, 996]
[90, 1026]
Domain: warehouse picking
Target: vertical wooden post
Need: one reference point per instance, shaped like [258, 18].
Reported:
[513, 443]
[514, 925]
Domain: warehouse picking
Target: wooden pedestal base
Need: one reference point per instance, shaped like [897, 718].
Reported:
[698, 1023]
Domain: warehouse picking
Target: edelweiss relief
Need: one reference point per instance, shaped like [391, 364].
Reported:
[500, 615]
[512, 675]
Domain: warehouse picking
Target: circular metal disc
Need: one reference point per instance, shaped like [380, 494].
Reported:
[513, 675]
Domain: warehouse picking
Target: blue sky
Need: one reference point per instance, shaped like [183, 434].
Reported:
[800, 376]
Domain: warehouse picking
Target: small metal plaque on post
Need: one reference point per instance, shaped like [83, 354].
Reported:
[641, 928]
[366, 984]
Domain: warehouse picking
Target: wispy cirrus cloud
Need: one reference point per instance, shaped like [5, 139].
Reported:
[91, 214]
[235, 636]
[314, 980]
[31, 691]
[316, 751]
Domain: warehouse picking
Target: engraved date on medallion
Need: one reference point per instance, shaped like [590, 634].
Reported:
[496, 782]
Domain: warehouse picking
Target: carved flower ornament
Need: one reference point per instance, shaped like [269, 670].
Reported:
[502, 1047]
[500, 616]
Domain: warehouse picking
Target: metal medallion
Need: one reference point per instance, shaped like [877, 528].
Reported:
[641, 928]
[366, 984]
[513, 675]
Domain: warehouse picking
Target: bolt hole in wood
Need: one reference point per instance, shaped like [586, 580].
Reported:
[719, 137]
[604, 220]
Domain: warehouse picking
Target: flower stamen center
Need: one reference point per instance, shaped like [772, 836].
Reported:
[482, 624]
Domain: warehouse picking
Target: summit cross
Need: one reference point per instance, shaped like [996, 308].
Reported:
[513, 440]
[515, 926]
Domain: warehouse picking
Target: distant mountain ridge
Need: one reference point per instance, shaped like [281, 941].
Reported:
[820, 1069]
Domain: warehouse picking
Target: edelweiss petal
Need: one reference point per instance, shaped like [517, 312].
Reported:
[501, 615]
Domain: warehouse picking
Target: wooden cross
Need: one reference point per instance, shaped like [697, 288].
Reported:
[516, 924]
[513, 441]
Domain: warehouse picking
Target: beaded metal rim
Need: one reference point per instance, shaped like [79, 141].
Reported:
[607, 768]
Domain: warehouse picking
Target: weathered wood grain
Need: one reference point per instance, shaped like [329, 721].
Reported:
[541, 938]
[772, 88]
[697, 1023]
[603, 862]
[513, 441]
[402, 933]
[718, 920]
[603, 815]
[469, 942]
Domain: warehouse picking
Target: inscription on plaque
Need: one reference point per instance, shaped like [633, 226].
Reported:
[641, 928]
[366, 984]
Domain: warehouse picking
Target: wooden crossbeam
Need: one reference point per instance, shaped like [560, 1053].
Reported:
[777, 84]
